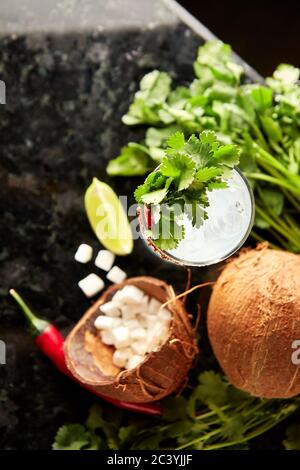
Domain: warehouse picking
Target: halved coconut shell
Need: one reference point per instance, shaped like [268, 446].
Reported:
[161, 373]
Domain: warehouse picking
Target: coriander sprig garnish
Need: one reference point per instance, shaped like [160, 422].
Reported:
[264, 121]
[179, 185]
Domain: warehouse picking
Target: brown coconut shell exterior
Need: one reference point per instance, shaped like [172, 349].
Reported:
[253, 318]
[161, 373]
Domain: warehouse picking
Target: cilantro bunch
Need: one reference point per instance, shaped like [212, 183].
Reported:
[263, 120]
[215, 415]
[179, 185]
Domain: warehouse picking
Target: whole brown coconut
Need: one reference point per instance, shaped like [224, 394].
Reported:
[161, 373]
[253, 318]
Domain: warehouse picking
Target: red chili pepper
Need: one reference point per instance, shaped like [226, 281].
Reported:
[50, 342]
[148, 217]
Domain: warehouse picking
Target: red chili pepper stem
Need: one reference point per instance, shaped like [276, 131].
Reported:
[37, 325]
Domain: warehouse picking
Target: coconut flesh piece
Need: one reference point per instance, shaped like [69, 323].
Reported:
[138, 330]
[147, 378]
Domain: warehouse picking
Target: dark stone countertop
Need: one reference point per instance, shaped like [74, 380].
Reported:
[66, 93]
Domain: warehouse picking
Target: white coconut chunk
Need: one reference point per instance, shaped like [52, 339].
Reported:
[116, 275]
[129, 295]
[145, 303]
[91, 285]
[143, 320]
[153, 306]
[107, 337]
[128, 313]
[134, 361]
[147, 321]
[84, 253]
[103, 322]
[156, 337]
[164, 315]
[120, 358]
[121, 336]
[104, 260]
[138, 333]
[139, 347]
[131, 324]
[110, 309]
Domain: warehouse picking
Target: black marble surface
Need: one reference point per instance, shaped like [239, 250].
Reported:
[61, 124]
[66, 94]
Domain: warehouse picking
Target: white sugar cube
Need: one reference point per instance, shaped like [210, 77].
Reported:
[134, 361]
[120, 357]
[107, 337]
[91, 285]
[164, 315]
[153, 306]
[104, 322]
[84, 253]
[116, 275]
[121, 336]
[138, 333]
[110, 309]
[104, 260]
[139, 347]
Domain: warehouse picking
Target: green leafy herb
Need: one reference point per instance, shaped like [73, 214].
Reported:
[214, 415]
[292, 440]
[188, 169]
[154, 90]
[263, 121]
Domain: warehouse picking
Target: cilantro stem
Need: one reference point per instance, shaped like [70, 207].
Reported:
[291, 199]
[273, 172]
[278, 237]
[271, 221]
[199, 439]
[211, 413]
[271, 422]
[261, 239]
[272, 180]
[263, 154]
[290, 220]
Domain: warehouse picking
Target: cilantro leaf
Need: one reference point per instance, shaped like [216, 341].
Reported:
[211, 389]
[228, 155]
[153, 93]
[181, 168]
[292, 440]
[154, 181]
[176, 141]
[207, 173]
[133, 161]
[233, 427]
[154, 197]
[200, 152]
[273, 200]
[262, 97]
[158, 137]
[72, 437]
[187, 171]
[217, 184]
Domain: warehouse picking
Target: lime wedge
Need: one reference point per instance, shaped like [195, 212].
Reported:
[108, 218]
